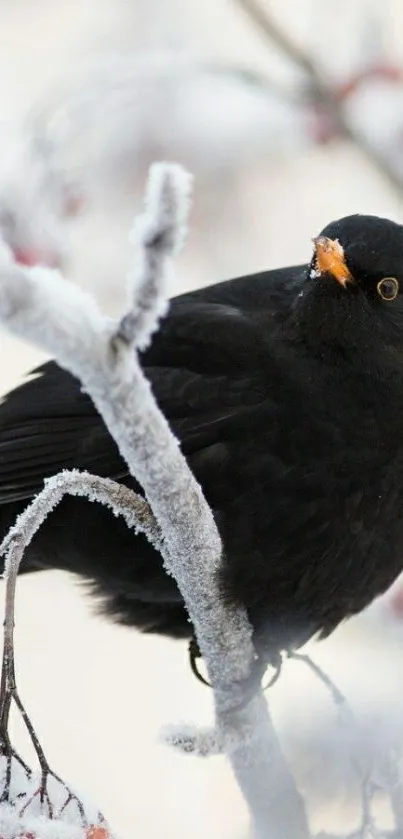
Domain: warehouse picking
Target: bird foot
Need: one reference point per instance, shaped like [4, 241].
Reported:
[194, 655]
[252, 683]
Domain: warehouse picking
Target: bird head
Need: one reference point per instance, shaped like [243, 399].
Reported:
[353, 293]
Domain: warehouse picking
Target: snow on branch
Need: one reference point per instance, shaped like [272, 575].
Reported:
[24, 795]
[42, 307]
[122, 501]
[162, 233]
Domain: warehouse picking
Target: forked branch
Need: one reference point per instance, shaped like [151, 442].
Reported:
[42, 307]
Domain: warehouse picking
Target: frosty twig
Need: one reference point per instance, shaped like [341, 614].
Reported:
[42, 307]
[137, 514]
[120, 499]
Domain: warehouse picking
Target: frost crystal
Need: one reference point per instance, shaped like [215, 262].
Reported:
[42, 307]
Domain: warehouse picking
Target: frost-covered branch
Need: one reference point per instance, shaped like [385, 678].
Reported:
[137, 515]
[42, 307]
[392, 785]
[121, 500]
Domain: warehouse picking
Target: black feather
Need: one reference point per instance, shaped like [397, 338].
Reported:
[286, 392]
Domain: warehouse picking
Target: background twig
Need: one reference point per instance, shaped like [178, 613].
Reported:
[320, 90]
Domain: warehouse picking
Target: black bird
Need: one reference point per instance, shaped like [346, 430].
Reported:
[285, 389]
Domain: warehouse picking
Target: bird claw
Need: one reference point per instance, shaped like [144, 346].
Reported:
[253, 681]
[194, 655]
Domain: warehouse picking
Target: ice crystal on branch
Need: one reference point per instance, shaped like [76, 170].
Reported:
[43, 308]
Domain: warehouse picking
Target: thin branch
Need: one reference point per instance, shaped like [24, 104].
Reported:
[137, 515]
[120, 499]
[393, 787]
[59, 317]
[162, 232]
[336, 694]
[320, 90]
[271, 30]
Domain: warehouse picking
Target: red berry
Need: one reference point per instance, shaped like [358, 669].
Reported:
[96, 832]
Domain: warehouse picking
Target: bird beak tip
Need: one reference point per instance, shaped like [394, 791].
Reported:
[330, 259]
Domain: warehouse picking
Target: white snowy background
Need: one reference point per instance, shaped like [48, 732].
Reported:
[99, 693]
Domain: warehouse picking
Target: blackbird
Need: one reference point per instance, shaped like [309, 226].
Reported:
[285, 389]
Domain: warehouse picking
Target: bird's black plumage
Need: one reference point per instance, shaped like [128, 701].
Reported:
[285, 389]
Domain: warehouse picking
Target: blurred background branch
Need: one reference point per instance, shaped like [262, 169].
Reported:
[320, 90]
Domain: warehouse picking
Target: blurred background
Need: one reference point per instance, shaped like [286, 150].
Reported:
[289, 115]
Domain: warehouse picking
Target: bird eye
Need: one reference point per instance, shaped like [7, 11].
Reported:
[388, 288]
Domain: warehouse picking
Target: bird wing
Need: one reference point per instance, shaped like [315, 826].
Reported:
[48, 424]
[204, 366]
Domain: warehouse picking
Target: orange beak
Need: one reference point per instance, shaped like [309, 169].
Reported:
[330, 259]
